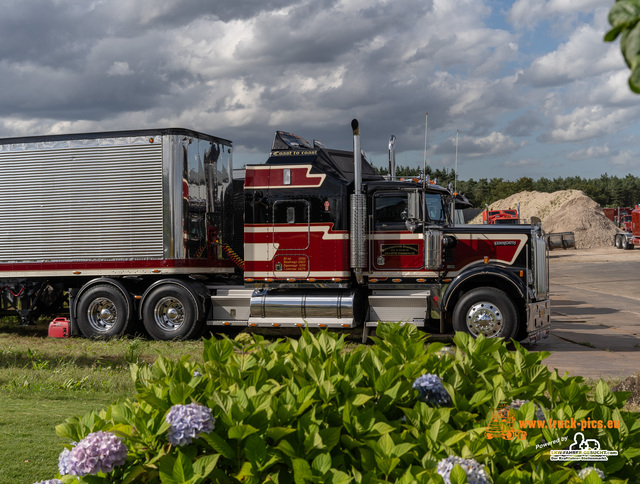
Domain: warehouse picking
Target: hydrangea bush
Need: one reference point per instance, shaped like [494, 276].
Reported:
[309, 410]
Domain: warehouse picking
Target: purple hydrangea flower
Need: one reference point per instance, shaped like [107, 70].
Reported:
[431, 390]
[50, 481]
[63, 461]
[474, 470]
[97, 452]
[588, 470]
[188, 422]
[446, 351]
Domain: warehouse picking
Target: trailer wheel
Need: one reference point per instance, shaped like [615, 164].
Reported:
[618, 242]
[103, 312]
[486, 311]
[170, 312]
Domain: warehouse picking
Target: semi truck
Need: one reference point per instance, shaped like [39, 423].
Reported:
[630, 236]
[621, 216]
[509, 216]
[150, 230]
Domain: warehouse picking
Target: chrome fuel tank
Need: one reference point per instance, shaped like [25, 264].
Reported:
[329, 308]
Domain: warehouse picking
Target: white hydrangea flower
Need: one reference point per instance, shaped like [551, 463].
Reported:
[588, 470]
[474, 470]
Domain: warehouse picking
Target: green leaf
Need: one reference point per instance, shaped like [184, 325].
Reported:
[205, 465]
[339, 477]
[219, 445]
[180, 393]
[219, 351]
[241, 432]
[603, 394]
[386, 445]
[322, 463]
[592, 478]
[361, 399]
[277, 433]
[256, 450]
[458, 475]
[330, 437]
[301, 471]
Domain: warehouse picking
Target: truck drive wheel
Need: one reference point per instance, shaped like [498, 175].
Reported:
[486, 311]
[170, 312]
[626, 245]
[103, 312]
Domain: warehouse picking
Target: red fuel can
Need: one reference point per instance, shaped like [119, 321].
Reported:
[59, 328]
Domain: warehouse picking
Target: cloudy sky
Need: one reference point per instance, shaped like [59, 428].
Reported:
[529, 85]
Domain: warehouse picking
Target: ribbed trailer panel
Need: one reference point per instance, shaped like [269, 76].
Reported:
[81, 202]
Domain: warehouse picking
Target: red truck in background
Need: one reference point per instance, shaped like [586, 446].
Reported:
[621, 216]
[510, 216]
[631, 236]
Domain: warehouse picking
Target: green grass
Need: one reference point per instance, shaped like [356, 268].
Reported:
[44, 381]
[29, 446]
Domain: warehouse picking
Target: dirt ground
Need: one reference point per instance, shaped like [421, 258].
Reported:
[617, 258]
[599, 254]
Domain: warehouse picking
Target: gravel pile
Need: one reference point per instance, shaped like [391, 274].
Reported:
[563, 211]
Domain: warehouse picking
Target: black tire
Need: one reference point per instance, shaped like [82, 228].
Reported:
[487, 311]
[103, 312]
[618, 242]
[170, 312]
[626, 245]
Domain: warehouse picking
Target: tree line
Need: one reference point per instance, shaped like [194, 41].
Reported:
[607, 190]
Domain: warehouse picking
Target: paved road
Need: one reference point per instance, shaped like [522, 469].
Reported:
[595, 306]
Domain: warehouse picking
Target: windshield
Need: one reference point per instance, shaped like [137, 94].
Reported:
[435, 208]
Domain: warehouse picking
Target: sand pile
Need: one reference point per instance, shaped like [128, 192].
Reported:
[563, 211]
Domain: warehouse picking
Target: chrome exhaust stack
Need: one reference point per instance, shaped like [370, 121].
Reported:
[358, 247]
[392, 157]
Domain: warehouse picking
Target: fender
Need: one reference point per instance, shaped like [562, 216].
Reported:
[200, 305]
[484, 270]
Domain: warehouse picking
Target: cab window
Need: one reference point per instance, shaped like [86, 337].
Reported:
[435, 208]
[390, 211]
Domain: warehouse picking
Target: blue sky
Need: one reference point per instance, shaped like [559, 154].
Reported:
[529, 84]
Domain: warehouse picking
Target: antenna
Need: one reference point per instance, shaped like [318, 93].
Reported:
[455, 175]
[424, 166]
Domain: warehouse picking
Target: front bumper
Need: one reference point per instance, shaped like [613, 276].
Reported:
[538, 320]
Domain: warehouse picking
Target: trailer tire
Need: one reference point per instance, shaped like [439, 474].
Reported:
[618, 242]
[487, 311]
[103, 312]
[170, 312]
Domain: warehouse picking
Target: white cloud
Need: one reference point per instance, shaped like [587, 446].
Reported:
[592, 152]
[587, 122]
[523, 163]
[583, 55]
[527, 13]
[120, 69]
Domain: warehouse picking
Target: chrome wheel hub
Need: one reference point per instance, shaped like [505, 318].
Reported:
[484, 318]
[169, 313]
[102, 314]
